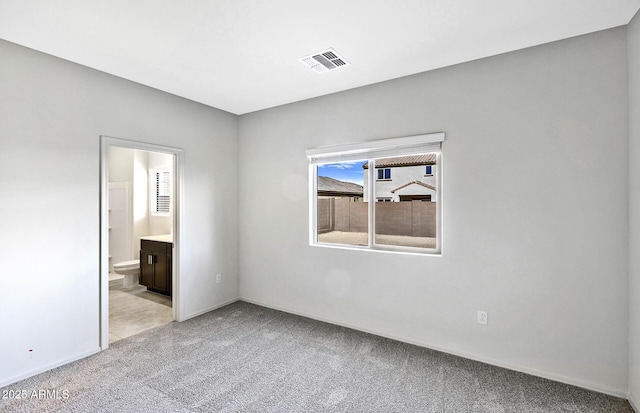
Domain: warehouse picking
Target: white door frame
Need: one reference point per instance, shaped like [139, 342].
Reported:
[178, 161]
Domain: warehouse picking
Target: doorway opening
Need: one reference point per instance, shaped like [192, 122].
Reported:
[140, 187]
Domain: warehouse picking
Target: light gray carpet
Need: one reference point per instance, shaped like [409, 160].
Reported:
[251, 359]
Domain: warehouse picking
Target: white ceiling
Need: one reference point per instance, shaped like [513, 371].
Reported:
[242, 55]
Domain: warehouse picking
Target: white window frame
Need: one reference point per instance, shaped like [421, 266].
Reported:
[371, 150]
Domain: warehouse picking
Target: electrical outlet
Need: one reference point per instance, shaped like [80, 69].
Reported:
[483, 318]
[218, 278]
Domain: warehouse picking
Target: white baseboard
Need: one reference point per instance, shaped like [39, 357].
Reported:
[523, 369]
[498, 363]
[206, 310]
[42, 369]
[632, 403]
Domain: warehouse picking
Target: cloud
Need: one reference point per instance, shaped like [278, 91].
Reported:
[343, 165]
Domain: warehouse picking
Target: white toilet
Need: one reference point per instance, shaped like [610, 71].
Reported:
[130, 270]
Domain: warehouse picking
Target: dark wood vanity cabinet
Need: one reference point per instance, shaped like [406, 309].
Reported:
[155, 266]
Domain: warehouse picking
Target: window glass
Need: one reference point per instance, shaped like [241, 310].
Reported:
[410, 218]
[384, 173]
[342, 216]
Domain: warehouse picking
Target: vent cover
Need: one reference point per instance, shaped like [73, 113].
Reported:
[324, 61]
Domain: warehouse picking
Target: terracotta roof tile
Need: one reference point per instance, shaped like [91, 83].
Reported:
[409, 160]
[326, 184]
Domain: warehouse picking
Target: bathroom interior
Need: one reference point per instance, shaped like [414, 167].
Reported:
[141, 209]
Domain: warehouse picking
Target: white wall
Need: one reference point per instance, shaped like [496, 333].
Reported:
[121, 169]
[133, 165]
[120, 164]
[140, 177]
[634, 210]
[534, 206]
[52, 113]
[130, 165]
[160, 224]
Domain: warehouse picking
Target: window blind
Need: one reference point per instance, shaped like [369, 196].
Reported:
[376, 149]
[163, 191]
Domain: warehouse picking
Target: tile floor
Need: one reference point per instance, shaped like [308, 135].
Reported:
[134, 310]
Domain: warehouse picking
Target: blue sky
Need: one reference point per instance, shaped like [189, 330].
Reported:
[343, 171]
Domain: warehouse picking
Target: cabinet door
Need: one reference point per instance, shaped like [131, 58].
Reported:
[146, 268]
[160, 279]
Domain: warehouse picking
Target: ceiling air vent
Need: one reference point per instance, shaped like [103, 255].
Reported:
[324, 61]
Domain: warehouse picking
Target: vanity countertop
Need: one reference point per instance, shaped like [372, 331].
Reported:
[161, 238]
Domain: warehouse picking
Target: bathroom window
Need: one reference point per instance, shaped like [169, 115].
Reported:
[161, 191]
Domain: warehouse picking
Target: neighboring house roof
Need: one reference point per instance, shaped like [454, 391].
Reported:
[414, 182]
[409, 160]
[333, 186]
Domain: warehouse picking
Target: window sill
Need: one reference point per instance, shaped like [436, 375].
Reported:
[400, 250]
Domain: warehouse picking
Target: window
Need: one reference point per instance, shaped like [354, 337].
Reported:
[384, 173]
[402, 214]
[160, 191]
